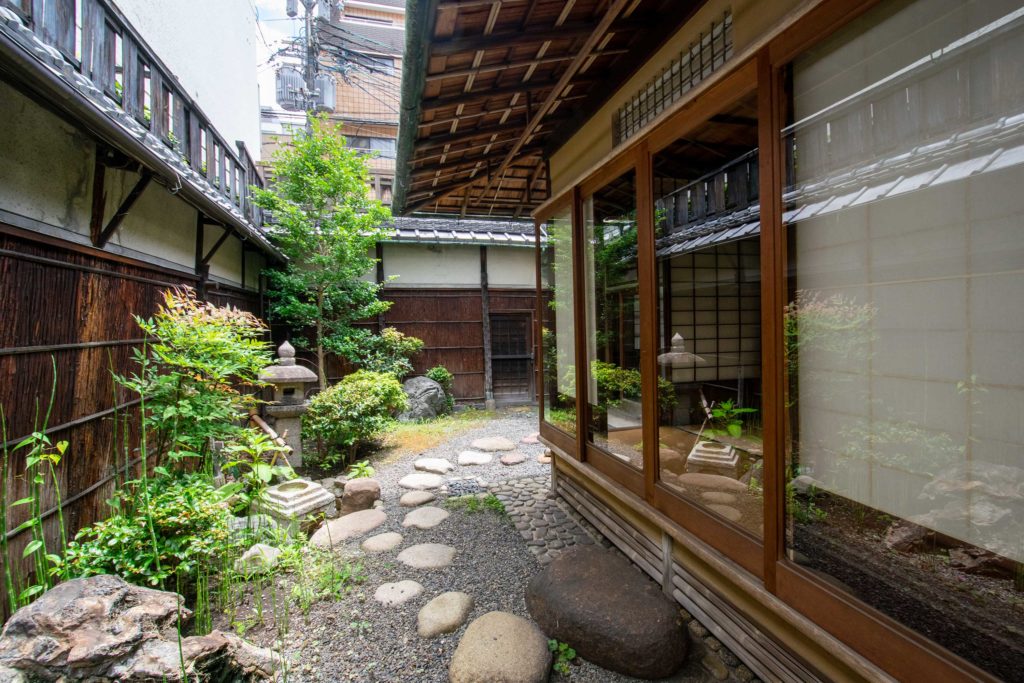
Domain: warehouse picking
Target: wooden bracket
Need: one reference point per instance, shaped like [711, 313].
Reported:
[101, 237]
[216, 245]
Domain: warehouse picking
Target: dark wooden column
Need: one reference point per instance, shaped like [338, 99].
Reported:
[380, 281]
[485, 317]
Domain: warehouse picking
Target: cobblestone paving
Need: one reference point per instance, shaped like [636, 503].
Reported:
[549, 525]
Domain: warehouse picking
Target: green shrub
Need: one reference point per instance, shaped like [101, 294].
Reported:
[180, 527]
[440, 374]
[388, 352]
[617, 383]
[352, 411]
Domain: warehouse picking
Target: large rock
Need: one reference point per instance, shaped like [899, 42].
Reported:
[426, 399]
[501, 648]
[102, 628]
[339, 530]
[359, 494]
[259, 559]
[597, 602]
[443, 614]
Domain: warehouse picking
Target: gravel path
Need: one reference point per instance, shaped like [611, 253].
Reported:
[358, 639]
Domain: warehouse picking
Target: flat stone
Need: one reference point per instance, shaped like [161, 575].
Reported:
[730, 513]
[513, 459]
[718, 497]
[501, 648]
[544, 459]
[613, 615]
[474, 458]
[339, 530]
[427, 556]
[443, 614]
[425, 517]
[530, 438]
[392, 594]
[418, 481]
[711, 481]
[381, 542]
[415, 498]
[434, 465]
[493, 443]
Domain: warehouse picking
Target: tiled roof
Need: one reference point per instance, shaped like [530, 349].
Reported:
[455, 231]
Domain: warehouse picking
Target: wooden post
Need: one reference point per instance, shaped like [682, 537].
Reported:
[485, 316]
[380, 281]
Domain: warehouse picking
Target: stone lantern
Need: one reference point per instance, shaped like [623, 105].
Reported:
[289, 381]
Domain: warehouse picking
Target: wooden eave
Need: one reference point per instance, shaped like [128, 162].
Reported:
[492, 88]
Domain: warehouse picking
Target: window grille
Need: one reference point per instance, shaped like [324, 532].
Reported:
[693, 65]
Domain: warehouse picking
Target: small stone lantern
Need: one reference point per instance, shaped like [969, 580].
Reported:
[289, 381]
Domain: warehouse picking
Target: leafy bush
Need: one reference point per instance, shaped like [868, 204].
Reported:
[190, 371]
[352, 411]
[440, 374]
[176, 525]
[389, 352]
[360, 470]
[252, 462]
[618, 383]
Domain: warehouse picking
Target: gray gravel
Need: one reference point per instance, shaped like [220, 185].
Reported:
[357, 639]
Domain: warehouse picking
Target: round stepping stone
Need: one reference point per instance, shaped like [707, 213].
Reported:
[337, 531]
[418, 481]
[415, 498]
[381, 542]
[501, 647]
[425, 517]
[427, 556]
[544, 459]
[443, 614]
[434, 465]
[613, 615]
[718, 497]
[530, 438]
[492, 443]
[711, 481]
[730, 513]
[392, 594]
[474, 458]
[513, 459]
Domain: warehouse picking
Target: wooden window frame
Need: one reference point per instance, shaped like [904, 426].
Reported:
[880, 639]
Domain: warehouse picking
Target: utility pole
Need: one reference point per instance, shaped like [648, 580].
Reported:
[310, 65]
[308, 95]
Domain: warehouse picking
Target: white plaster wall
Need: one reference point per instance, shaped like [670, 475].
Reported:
[210, 45]
[423, 265]
[512, 267]
[159, 224]
[226, 264]
[46, 166]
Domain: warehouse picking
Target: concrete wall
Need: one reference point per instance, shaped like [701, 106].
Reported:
[512, 267]
[431, 265]
[211, 48]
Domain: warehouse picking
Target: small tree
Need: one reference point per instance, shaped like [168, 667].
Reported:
[326, 224]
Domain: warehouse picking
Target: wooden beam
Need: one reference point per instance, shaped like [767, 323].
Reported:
[506, 39]
[465, 98]
[216, 245]
[500, 66]
[485, 316]
[122, 211]
[430, 142]
[535, 149]
[99, 199]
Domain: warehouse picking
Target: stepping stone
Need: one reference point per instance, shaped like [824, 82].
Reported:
[492, 443]
[711, 481]
[718, 497]
[730, 513]
[513, 459]
[501, 647]
[414, 498]
[427, 556]
[443, 614]
[425, 517]
[419, 481]
[392, 594]
[474, 458]
[381, 542]
[434, 465]
[530, 438]
[613, 615]
[544, 459]
[337, 531]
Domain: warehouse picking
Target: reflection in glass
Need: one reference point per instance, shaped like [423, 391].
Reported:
[905, 324]
[557, 333]
[613, 320]
[709, 362]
